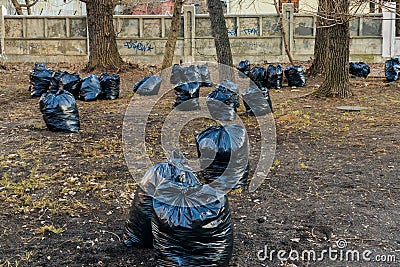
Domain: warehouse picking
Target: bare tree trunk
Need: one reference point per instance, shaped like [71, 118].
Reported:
[336, 83]
[321, 40]
[173, 35]
[17, 6]
[103, 50]
[289, 55]
[220, 32]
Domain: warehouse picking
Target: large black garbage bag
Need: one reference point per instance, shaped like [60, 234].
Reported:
[59, 111]
[39, 79]
[67, 81]
[177, 75]
[205, 76]
[138, 226]
[223, 101]
[223, 154]
[109, 84]
[138, 230]
[244, 67]
[257, 101]
[187, 96]
[274, 76]
[259, 76]
[295, 76]
[90, 88]
[192, 74]
[149, 85]
[191, 222]
[392, 69]
[359, 69]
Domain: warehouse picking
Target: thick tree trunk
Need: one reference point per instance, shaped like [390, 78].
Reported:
[173, 35]
[220, 32]
[336, 83]
[321, 40]
[103, 51]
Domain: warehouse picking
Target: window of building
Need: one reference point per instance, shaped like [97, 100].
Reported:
[295, 2]
[397, 18]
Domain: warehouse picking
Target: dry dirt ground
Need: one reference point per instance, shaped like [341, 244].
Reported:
[64, 198]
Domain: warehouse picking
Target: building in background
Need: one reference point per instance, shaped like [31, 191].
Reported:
[50, 8]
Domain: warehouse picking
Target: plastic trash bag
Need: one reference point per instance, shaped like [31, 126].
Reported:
[257, 101]
[149, 85]
[192, 74]
[90, 88]
[223, 101]
[191, 223]
[274, 76]
[67, 81]
[295, 76]
[223, 154]
[39, 79]
[109, 84]
[138, 226]
[359, 69]
[59, 111]
[205, 76]
[392, 69]
[244, 67]
[187, 96]
[177, 75]
[138, 230]
[259, 76]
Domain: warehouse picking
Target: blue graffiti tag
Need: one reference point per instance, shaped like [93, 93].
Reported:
[233, 32]
[249, 31]
[138, 46]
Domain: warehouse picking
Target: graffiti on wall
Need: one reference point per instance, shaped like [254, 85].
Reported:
[245, 31]
[139, 46]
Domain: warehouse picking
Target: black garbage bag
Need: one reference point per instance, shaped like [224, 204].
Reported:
[274, 76]
[223, 154]
[187, 96]
[191, 222]
[223, 101]
[90, 88]
[177, 75]
[138, 230]
[59, 111]
[109, 84]
[205, 76]
[392, 69]
[67, 81]
[138, 226]
[359, 69]
[259, 76]
[244, 67]
[295, 76]
[192, 74]
[149, 85]
[39, 80]
[257, 101]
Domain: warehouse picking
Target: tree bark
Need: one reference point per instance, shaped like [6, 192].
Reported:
[103, 50]
[336, 83]
[289, 55]
[17, 6]
[173, 35]
[321, 40]
[220, 32]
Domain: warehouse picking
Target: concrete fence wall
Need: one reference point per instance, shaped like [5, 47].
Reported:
[257, 38]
